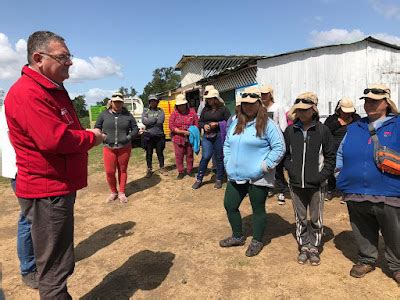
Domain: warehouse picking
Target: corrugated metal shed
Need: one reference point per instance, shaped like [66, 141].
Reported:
[332, 72]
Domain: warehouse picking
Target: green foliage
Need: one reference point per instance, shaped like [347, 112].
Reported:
[164, 79]
[104, 102]
[80, 106]
[127, 92]
[85, 122]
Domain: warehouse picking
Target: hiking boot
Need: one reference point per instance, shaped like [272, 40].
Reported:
[359, 270]
[180, 176]
[31, 280]
[329, 196]
[196, 185]
[218, 184]
[303, 255]
[254, 248]
[313, 257]
[122, 198]
[281, 199]
[396, 277]
[163, 171]
[232, 241]
[112, 197]
[149, 173]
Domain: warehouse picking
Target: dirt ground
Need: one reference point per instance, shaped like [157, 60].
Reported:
[164, 244]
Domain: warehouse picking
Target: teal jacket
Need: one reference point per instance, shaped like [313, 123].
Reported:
[250, 158]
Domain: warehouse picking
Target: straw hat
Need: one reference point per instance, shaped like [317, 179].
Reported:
[180, 100]
[379, 92]
[213, 94]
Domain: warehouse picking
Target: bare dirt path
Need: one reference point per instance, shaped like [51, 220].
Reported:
[164, 244]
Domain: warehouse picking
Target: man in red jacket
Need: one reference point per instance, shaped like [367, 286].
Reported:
[51, 152]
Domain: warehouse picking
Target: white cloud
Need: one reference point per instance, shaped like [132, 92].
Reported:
[12, 58]
[335, 36]
[93, 95]
[95, 68]
[338, 36]
[389, 10]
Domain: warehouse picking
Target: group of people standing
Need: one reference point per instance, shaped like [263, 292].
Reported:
[51, 150]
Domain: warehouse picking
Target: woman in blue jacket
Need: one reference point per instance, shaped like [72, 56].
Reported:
[372, 196]
[251, 135]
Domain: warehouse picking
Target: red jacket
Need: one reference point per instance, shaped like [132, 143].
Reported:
[50, 144]
[183, 122]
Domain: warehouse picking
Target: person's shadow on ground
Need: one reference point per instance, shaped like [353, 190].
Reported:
[142, 184]
[346, 243]
[145, 270]
[102, 238]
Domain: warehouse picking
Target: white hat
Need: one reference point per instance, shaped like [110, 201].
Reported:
[180, 100]
[346, 105]
[214, 94]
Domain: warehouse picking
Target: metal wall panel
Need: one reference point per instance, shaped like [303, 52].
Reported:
[192, 72]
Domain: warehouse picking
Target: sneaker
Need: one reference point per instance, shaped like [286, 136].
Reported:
[342, 202]
[232, 241]
[163, 171]
[359, 270]
[149, 173]
[396, 277]
[329, 196]
[122, 198]
[196, 185]
[254, 248]
[31, 280]
[112, 197]
[281, 199]
[218, 184]
[180, 176]
[313, 257]
[270, 193]
[303, 255]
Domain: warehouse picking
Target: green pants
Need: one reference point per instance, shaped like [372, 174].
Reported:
[234, 195]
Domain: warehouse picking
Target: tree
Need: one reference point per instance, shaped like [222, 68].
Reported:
[104, 102]
[164, 79]
[80, 106]
[131, 92]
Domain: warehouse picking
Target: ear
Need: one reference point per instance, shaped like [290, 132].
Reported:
[37, 58]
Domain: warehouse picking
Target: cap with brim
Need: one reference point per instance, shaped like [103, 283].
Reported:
[153, 97]
[180, 100]
[117, 97]
[383, 96]
[267, 89]
[250, 90]
[213, 94]
[346, 105]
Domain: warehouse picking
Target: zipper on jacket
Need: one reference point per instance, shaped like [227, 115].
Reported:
[304, 160]
[116, 131]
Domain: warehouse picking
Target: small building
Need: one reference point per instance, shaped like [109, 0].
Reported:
[332, 72]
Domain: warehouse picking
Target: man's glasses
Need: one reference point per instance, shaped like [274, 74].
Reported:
[375, 91]
[305, 101]
[62, 59]
[251, 95]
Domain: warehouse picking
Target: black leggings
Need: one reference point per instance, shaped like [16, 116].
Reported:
[158, 143]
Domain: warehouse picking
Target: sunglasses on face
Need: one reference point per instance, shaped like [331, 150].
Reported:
[375, 91]
[305, 101]
[251, 95]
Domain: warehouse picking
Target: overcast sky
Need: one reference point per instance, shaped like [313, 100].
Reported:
[119, 43]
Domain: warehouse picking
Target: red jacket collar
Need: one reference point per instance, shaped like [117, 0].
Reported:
[40, 79]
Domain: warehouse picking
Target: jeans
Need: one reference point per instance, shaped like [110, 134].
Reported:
[26, 257]
[210, 147]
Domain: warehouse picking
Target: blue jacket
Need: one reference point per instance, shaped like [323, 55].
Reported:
[359, 174]
[248, 157]
[194, 138]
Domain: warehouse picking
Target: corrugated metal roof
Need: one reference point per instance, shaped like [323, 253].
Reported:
[186, 58]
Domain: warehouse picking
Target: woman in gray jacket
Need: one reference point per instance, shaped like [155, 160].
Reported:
[120, 127]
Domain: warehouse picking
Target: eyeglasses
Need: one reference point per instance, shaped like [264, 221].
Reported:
[251, 95]
[375, 91]
[62, 59]
[305, 101]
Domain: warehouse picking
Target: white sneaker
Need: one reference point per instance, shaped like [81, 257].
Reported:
[281, 199]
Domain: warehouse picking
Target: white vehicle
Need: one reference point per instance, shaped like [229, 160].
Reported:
[135, 106]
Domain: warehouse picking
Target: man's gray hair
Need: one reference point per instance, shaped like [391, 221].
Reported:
[39, 40]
